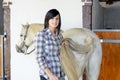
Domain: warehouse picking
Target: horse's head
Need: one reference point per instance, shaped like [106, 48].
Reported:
[27, 35]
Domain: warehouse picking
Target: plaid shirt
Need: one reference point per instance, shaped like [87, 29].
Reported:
[48, 53]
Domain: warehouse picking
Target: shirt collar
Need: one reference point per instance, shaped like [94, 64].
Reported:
[49, 32]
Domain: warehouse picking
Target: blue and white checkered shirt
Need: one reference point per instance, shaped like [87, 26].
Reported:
[48, 53]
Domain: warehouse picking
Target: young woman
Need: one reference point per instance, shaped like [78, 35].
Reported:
[48, 47]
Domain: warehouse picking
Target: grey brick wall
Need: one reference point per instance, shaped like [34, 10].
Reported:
[1, 19]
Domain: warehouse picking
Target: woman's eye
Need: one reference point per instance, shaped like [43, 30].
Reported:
[57, 18]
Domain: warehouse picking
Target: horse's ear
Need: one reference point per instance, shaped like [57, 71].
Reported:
[27, 23]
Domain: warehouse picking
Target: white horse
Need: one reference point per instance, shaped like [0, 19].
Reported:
[78, 35]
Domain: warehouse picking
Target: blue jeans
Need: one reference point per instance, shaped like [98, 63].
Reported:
[42, 77]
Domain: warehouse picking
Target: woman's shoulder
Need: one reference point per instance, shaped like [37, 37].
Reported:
[41, 32]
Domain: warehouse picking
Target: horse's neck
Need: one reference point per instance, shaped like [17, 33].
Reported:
[35, 29]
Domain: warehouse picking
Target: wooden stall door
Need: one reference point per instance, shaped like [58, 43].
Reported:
[1, 59]
[110, 68]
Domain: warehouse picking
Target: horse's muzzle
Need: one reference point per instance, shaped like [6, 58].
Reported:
[19, 50]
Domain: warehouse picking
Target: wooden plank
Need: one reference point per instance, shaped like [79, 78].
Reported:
[108, 35]
[87, 14]
[0, 58]
[0, 40]
[7, 42]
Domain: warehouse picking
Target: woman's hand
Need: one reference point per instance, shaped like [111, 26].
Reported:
[53, 77]
[50, 74]
[66, 43]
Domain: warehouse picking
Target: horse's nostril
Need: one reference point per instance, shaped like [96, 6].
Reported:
[18, 49]
[22, 51]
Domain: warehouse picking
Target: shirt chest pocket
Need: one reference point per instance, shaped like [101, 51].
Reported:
[48, 48]
[51, 47]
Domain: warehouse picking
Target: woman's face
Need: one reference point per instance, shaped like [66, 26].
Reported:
[54, 22]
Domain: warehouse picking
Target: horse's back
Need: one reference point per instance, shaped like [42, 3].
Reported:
[76, 34]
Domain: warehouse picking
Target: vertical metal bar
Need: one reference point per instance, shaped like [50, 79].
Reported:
[109, 41]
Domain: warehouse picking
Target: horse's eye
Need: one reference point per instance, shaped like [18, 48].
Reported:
[21, 35]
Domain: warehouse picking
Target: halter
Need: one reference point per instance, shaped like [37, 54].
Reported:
[25, 39]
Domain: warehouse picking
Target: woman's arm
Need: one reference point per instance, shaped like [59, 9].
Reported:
[40, 50]
[50, 74]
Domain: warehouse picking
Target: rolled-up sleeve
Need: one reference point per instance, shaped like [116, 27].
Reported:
[61, 38]
[39, 45]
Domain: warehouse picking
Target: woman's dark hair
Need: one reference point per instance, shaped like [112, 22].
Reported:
[50, 14]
